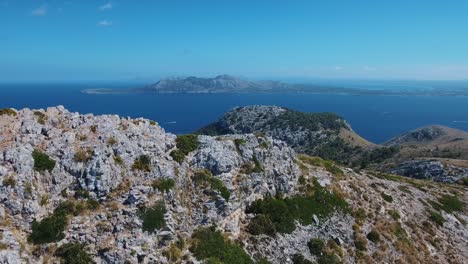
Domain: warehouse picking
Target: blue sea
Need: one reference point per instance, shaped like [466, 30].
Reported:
[376, 118]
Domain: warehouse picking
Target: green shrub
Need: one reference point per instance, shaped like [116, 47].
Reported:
[299, 259]
[257, 166]
[142, 163]
[118, 160]
[450, 203]
[92, 204]
[187, 143]
[153, 123]
[163, 185]
[210, 245]
[81, 194]
[51, 228]
[464, 181]
[9, 182]
[153, 217]
[328, 258]
[386, 197]
[44, 200]
[178, 155]
[436, 217]
[73, 253]
[360, 243]
[316, 246]
[205, 177]
[42, 162]
[93, 128]
[238, 142]
[373, 236]
[283, 212]
[7, 111]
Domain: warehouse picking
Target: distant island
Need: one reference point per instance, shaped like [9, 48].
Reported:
[231, 84]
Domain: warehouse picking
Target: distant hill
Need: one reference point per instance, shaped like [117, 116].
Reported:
[321, 134]
[432, 141]
[218, 84]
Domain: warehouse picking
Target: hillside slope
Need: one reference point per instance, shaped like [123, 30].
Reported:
[107, 189]
[320, 134]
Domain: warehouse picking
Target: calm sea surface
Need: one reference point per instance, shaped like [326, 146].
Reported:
[377, 118]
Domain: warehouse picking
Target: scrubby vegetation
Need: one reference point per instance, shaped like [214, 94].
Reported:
[7, 111]
[310, 121]
[210, 245]
[51, 228]
[239, 142]
[83, 155]
[9, 182]
[377, 155]
[111, 141]
[299, 259]
[41, 117]
[153, 217]
[185, 144]
[278, 215]
[386, 197]
[205, 177]
[436, 217]
[327, 164]
[450, 204]
[163, 185]
[42, 162]
[142, 163]
[324, 256]
[73, 253]
[373, 236]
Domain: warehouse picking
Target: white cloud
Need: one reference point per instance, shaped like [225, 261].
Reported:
[106, 6]
[105, 23]
[40, 11]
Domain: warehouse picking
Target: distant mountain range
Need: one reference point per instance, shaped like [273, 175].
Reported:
[231, 84]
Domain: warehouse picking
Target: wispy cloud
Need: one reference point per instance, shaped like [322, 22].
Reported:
[40, 11]
[105, 23]
[106, 6]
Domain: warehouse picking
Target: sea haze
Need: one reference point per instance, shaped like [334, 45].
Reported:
[377, 118]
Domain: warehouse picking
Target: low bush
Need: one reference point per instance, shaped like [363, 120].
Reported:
[319, 162]
[386, 197]
[153, 217]
[7, 111]
[178, 155]
[81, 194]
[142, 163]
[111, 141]
[73, 253]
[373, 236]
[41, 117]
[185, 144]
[436, 217]
[276, 214]
[316, 246]
[239, 142]
[163, 185]
[201, 177]
[450, 203]
[42, 162]
[93, 128]
[299, 259]
[210, 245]
[9, 182]
[83, 155]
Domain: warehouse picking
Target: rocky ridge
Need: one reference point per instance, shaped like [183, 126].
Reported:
[98, 159]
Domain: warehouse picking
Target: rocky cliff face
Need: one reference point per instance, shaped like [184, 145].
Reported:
[109, 189]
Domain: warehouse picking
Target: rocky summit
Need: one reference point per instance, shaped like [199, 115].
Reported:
[107, 189]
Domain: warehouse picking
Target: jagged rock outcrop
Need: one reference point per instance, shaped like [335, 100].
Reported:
[429, 169]
[100, 176]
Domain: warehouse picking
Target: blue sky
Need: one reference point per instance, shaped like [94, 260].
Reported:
[145, 40]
